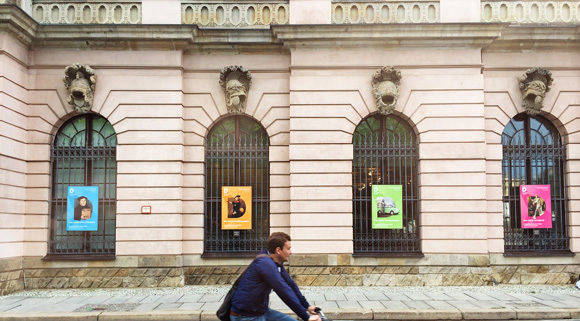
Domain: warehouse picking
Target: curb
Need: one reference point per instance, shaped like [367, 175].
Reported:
[343, 314]
[50, 316]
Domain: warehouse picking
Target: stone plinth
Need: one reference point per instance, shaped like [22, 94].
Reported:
[11, 276]
[125, 272]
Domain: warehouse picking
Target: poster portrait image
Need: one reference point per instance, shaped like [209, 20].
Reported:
[535, 206]
[236, 207]
[387, 206]
[82, 208]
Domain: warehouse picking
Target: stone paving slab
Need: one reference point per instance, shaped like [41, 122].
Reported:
[339, 303]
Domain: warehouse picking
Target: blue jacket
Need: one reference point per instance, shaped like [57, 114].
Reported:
[253, 293]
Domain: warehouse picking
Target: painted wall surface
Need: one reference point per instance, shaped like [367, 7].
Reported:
[502, 97]
[161, 103]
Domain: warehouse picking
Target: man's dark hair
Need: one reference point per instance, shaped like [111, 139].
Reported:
[277, 240]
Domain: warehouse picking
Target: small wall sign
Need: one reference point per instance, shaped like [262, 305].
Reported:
[146, 209]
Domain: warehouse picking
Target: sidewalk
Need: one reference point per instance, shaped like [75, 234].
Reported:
[338, 303]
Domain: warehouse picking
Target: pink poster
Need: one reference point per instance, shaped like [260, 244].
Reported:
[536, 206]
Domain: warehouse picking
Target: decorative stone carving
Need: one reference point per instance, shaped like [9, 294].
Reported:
[534, 84]
[259, 14]
[390, 11]
[80, 81]
[530, 11]
[235, 81]
[86, 12]
[386, 89]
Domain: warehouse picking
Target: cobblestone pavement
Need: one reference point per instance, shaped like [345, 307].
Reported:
[339, 303]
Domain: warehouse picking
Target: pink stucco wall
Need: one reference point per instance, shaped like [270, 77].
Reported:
[162, 102]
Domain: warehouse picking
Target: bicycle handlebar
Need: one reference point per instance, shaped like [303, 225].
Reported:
[320, 314]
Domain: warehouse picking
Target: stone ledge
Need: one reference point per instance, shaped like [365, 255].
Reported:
[151, 315]
[69, 316]
[351, 314]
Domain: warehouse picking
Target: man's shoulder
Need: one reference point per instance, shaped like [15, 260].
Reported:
[264, 260]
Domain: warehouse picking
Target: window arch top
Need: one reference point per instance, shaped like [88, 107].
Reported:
[241, 129]
[386, 130]
[525, 130]
[74, 133]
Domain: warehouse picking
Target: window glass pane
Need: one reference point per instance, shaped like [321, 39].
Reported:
[385, 153]
[533, 155]
[236, 154]
[75, 164]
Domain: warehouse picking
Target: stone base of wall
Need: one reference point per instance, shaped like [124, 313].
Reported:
[432, 269]
[11, 276]
[399, 275]
[124, 272]
[325, 270]
[212, 275]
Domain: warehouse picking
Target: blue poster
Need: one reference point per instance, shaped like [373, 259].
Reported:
[82, 208]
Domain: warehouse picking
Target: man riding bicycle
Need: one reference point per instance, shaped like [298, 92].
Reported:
[267, 273]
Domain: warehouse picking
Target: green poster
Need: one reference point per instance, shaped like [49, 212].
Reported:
[387, 209]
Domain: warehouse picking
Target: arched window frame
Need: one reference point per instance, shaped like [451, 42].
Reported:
[379, 151]
[236, 149]
[88, 158]
[530, 144]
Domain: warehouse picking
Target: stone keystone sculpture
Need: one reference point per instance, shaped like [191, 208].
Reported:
[235, 81]
[534, 84]
[80, 81]
[386, 83]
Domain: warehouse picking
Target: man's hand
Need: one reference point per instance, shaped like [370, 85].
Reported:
[311, 309]
[314, 318]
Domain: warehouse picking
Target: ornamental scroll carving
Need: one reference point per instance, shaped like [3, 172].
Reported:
[385, 84]
[80, 81]
[235, 81]
[534, 84]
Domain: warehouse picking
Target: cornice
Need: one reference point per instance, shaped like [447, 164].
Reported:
[541, 36]
[389, 35]
[98, 36]
[15, 21]
[236, 39]
[489, 36]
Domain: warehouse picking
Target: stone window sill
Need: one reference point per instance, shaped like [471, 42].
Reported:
[60, 257]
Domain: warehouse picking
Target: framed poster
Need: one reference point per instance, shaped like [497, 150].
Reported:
[236, 207]
[82, 208]
[387, 206]
[536, 206]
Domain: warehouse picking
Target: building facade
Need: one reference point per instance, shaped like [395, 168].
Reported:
[311, 103]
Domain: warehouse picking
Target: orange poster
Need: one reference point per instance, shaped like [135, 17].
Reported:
[236, 207]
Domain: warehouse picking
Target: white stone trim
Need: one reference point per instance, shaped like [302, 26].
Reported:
[87, 12]
[224, 14]
[385, 12]
[530, 11]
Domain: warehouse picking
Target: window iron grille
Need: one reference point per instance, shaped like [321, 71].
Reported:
[83, 153]
[533, 154]
[236, 154]
[385, 153]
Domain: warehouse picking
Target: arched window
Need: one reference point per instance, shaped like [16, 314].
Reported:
[533, 154]
[236, 154]
[83, 153]
[385, 153]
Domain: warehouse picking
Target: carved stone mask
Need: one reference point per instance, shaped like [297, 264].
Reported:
[385, 85]
[534, 85]
[235, 81]
[80, 81]
[236, 95]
